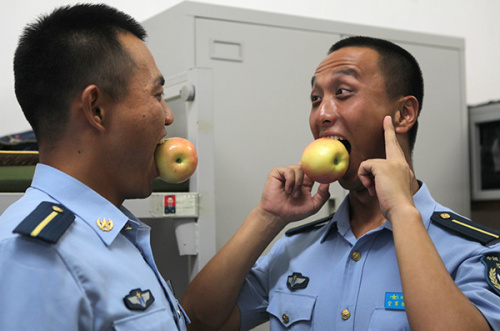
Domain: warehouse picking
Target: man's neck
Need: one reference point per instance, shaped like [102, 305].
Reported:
[365, 214]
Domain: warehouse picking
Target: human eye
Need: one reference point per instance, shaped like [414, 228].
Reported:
[343, 92]
[315, 99]
[316, 95]
[160, 95]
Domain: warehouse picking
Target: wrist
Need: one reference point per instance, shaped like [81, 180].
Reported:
[268, 221]
[404, 215]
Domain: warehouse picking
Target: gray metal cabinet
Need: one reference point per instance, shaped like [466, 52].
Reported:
[251, 112]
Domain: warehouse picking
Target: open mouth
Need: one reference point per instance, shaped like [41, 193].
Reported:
[346, 143]
[162, 140]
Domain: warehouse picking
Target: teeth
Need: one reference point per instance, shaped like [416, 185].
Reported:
[343, 141]
[162, 140]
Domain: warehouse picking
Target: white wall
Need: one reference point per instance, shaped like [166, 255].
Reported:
[476, 21]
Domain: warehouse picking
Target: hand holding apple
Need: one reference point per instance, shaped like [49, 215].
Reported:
[176, 159]
[325, 160]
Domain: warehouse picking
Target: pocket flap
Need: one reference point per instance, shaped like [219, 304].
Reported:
[290, 308]
[158, 319]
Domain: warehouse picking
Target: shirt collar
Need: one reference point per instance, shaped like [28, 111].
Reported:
[341, 220]
[101, 215]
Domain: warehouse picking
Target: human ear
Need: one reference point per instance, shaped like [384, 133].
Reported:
[92, 99]
[406, 115]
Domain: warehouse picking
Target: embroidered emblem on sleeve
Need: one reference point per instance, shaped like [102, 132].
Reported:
[296, 281]
[492, 264]
[47, 222]
[138, 299]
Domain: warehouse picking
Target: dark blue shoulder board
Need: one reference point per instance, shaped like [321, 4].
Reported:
[309, 226]
[466, 228]
[47, 222]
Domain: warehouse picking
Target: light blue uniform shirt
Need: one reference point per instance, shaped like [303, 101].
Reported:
[80, 282]
[354, 284]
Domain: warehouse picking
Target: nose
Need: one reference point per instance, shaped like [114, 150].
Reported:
[327, 113]
[169, 116]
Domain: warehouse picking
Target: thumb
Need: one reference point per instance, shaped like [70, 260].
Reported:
[322, 195]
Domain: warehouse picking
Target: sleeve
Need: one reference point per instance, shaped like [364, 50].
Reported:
[479, 281]
[38, 291]
[253, 299]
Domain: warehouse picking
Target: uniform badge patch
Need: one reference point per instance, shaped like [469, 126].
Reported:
[492, 264]
[296, 281]
[139, 300]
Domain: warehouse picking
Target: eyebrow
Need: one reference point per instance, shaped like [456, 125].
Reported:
[340, 72]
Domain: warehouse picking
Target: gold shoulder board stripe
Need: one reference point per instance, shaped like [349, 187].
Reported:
[465, 227]
[47, 222]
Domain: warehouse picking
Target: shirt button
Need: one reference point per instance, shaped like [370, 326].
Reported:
[285, 318]
[346, 314]
[356, 256]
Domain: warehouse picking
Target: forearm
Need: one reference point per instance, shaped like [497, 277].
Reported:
[432, 299]
[212, 295]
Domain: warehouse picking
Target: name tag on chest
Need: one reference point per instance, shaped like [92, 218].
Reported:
[394, 300]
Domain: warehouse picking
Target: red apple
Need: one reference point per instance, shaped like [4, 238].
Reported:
[325, 160]
[176, 159]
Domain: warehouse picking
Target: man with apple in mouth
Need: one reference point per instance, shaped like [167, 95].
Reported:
[71, 256]
[390, 258]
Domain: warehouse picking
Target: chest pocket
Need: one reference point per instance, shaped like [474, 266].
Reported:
[291, 308]
[158, 319]
[383, 319]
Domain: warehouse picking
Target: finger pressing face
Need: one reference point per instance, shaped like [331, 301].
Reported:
[392, 148]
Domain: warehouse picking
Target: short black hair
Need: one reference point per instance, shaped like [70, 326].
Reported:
[401, 71]
[63, 52]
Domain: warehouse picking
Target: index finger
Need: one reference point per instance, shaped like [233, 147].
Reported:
[392, 148]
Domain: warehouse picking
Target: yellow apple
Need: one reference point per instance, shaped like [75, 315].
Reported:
[176, 159]
[325, 160]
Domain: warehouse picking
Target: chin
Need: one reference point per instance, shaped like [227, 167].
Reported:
[350, 182]
[346, 185]
[146, 192]
[140, 190]
[140, 194]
